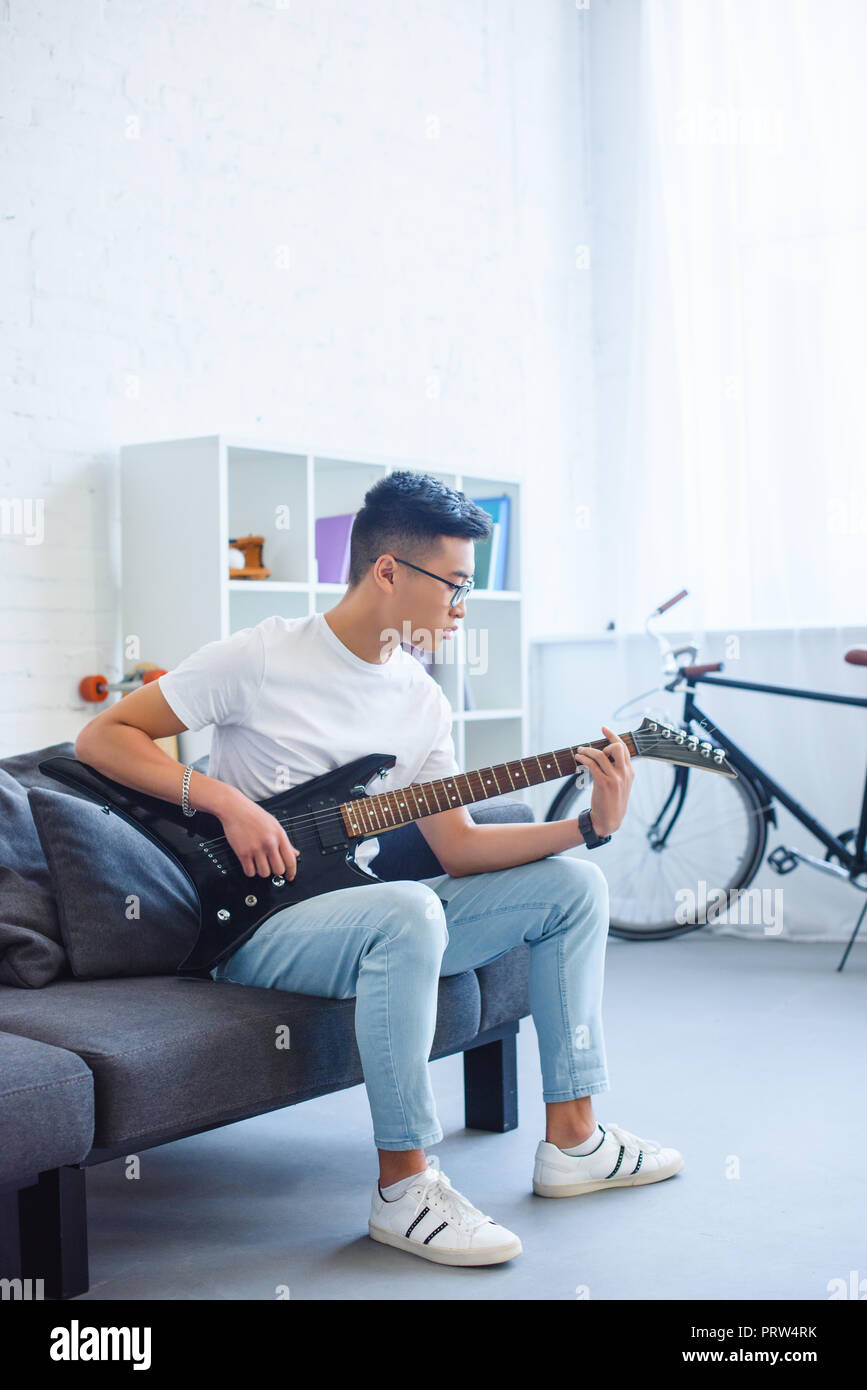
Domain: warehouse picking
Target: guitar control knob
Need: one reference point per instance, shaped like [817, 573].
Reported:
[277, 880]
[223, 914]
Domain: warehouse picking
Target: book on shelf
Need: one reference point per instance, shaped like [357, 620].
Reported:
[491, 554]
[333, 535]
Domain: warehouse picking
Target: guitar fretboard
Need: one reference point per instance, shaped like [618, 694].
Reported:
[373, 815]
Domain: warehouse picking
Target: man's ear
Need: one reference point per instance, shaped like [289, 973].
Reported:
[388, 569]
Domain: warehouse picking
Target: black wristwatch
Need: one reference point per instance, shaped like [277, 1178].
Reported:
[591, 839]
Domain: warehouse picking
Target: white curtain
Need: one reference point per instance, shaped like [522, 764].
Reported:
[745, 469]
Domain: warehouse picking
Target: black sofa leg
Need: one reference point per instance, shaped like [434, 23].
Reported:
[10, 1233]
[53, 1223]
[491, 1083]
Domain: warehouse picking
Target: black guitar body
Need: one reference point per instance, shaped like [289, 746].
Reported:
[231, 905]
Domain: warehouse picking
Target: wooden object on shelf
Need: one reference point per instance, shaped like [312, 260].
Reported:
[251, 548]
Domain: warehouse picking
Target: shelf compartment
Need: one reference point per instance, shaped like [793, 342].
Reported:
[270, 586]
[491, 649]
[491, 741]
[250, 603]
[338, 489]
[474, 486]
[475, 714]
[268, 497]
[446, 669]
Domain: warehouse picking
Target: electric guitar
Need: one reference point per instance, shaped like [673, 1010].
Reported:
[326, 818]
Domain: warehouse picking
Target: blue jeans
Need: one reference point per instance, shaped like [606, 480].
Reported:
[388, 943]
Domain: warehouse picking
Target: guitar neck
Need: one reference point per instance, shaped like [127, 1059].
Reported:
[373, 815]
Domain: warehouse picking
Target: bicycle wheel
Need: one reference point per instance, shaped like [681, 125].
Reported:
[687, 839]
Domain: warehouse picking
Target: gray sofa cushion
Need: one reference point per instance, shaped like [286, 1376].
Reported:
[19, 843]
[504, 985]
[171, 1055]
[46, 1108]
[104, 873]
[31, 950]
[31, 947]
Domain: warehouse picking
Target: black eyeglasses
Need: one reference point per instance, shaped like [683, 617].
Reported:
[459, 591]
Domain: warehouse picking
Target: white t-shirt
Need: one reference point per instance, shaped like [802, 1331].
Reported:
[290, 701]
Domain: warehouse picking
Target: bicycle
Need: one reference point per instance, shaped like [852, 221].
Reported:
[681, 830]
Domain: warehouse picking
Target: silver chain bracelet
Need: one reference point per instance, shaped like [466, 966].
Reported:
[187, 809]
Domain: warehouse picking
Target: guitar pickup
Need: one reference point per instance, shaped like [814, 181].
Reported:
[330, 829]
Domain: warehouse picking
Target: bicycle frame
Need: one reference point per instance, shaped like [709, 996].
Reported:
[854, 860]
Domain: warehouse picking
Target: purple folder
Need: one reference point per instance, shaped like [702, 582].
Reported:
[332, 548]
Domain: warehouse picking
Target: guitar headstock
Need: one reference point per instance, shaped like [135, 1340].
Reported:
[655, 739]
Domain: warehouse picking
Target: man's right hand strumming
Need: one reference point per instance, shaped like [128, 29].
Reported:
[257, 837]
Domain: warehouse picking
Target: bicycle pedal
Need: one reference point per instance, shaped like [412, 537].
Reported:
[783, 860]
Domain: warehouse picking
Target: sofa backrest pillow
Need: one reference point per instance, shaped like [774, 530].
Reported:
[124, 907]
[24, 767]
[31, 948]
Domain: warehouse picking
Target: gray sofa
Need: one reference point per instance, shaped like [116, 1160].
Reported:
[97, 1068]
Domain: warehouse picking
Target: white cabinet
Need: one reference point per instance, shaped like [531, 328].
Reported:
[183, 499]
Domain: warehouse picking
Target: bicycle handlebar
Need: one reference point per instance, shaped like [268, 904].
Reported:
[672, 673]
[663, 607]
[668, 654]
[692, 671]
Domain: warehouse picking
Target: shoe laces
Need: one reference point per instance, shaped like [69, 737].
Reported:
[632, 1141]
[438, 1192]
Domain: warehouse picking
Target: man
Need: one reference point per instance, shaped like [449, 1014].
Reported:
[290, 699]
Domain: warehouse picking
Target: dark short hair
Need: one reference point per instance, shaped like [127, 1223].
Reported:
[404, 513]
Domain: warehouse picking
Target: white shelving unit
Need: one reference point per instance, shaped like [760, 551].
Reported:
[182, 499]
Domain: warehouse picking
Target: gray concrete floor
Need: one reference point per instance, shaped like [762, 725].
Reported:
[747, 1056]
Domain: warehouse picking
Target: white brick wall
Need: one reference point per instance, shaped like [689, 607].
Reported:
[420, 163]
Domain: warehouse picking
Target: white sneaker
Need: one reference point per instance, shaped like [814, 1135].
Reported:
[622, 1160]
[431, 1219]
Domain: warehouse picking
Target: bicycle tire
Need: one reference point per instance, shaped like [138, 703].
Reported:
[755, 798]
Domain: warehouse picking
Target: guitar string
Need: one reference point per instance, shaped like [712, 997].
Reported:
[226, 858]
[332, 818]
[301, 837]
[333, 812]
